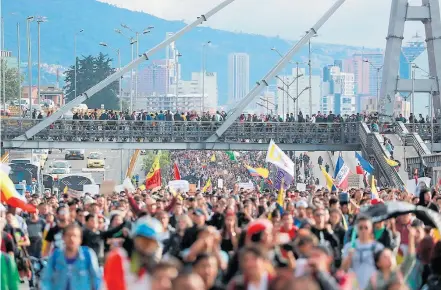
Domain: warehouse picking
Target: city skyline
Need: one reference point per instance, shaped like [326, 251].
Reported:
[363, 30]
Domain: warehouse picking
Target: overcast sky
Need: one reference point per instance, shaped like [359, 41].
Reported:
[357, 22]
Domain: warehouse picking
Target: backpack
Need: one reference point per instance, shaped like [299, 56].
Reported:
[372, 250]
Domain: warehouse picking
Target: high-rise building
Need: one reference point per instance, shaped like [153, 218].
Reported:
[361, 69]
[338, 93]
[154, 79]
[210, 89]
[238, 76]
[194, 87]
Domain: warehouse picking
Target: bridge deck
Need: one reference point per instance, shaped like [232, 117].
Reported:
[182, 135]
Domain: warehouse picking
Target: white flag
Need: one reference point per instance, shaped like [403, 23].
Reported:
[276, 156]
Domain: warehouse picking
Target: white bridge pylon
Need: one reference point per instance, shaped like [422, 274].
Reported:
[429, 14]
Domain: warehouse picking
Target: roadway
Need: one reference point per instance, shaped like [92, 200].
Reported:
[114, 161]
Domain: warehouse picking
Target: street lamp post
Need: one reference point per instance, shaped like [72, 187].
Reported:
[283, 84]
[137, 34]
[203, 73]
[266, 107]
[18, 65]
[75, 55]
[298, 95]
[177, 56]
[377, 69]
[287, 86]
[3, 63]
[310, 74]
[268, 103]
[40, 20]
[29, 19]
[132, 42]
[296, 79]
[118, 53]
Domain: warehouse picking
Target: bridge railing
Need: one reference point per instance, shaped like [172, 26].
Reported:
[411, 139]
[184, 131]
[373, 146]
[425, 131]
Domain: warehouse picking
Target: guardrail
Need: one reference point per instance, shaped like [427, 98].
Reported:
[184, 131]
[424, 130]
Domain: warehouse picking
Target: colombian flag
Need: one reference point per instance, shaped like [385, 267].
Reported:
[281, 197]
[262, 172]
[153, 178]
[8, 193]
[207, 185]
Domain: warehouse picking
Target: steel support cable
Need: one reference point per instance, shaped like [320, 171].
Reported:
[114, 77]
[273, 72]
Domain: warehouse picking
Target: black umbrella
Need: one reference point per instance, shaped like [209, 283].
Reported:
[392, 209]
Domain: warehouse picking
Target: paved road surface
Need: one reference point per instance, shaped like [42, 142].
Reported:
[114, 159]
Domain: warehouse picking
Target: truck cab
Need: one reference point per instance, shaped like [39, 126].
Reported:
[21, 188]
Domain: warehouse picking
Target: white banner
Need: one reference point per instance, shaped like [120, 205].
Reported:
[276, 156]
[246, 185]
[179, 185]
[220, 183]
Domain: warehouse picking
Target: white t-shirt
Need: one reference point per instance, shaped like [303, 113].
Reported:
[263, 285]
[363, 264]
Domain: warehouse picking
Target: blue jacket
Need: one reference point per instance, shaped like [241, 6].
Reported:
[85, 273]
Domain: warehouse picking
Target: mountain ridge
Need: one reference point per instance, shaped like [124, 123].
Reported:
[99, 20]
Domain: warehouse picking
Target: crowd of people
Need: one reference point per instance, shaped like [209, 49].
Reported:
[218, 116]
[199, 166]
[221, 238]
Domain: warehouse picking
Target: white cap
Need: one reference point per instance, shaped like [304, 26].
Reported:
[302, 203]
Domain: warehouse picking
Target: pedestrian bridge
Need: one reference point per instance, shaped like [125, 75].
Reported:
[192, 135]
[182, 135]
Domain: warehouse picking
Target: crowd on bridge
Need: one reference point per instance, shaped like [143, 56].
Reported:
[218, 116]
[224, 238]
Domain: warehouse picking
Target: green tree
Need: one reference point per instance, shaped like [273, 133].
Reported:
[164, 162]
[12, 82]
[90, 71]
